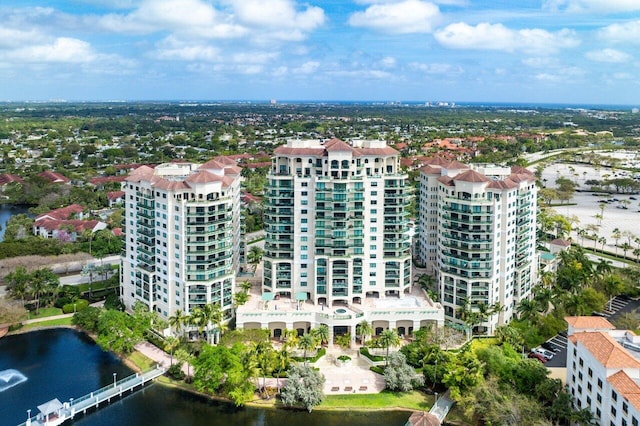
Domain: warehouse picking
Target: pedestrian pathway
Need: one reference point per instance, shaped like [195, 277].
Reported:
[160, 357]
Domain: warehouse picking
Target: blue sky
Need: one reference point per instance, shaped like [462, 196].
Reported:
[559, 51]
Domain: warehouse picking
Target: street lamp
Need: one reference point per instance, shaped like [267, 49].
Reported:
[114, 379]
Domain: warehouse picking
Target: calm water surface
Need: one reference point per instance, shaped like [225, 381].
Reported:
[63, 363]
[6, 211]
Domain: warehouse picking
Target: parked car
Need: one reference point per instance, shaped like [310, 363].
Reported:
[537, 356]
[563, 333]
[548, 346]
[598, 314]
[545, 353]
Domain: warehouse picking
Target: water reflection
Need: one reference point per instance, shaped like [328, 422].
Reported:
[64, 364]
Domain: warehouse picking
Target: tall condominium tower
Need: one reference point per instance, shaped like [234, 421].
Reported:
[182, 230]
[477, 236]
[336, 222]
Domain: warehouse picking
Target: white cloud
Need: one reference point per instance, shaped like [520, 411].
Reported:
[561, 74]
[627, 32]
[485, 36]
[62, 49]
[592, 6]
[190, 17]
[307, 68]
[12, 38]
[278, 14]
[608, 55]
[622, 76]
[387, 62]
[406, 17]
[436, 68]
[541, 62]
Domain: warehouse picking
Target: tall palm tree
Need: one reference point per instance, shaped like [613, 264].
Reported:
[283, 359]
[178, 320]
[364, 329]
[616, 234]
[306, 343]
[170, 344]
[321, 333]
[43, 283]
[387, 339]
[265, 360]
[255, 257]
[528, 310]
[213, 315]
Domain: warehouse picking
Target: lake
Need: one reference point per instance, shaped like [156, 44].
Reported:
[6, 211]
[63, 363]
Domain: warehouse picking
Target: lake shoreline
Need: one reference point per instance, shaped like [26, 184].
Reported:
[170, 383]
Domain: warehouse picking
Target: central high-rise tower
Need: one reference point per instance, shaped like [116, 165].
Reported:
[336, 222]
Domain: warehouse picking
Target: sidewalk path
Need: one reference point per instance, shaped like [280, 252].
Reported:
[43, 319]
[158, 355]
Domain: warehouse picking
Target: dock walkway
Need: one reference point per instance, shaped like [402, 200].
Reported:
[54, 412]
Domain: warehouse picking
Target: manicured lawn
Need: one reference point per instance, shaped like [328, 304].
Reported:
[50, 323]
[413, 400]
[45, 312]
[141, 361]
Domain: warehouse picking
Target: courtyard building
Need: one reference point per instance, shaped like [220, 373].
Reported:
[477, 238]
[337, 246]
[182, 236]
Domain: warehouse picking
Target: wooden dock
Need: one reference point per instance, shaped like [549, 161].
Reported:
[54, 412]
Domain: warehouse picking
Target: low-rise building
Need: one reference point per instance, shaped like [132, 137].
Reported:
[603, 370]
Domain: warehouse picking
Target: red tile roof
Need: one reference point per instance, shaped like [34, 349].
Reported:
[6, 178]
[62, 213]
[53, 177]
[114, 195]
[471, 176]
[608, 352]
[626, 387]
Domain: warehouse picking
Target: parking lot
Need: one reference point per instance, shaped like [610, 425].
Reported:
[619, 306]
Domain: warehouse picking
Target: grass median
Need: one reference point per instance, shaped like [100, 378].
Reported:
[413, 400]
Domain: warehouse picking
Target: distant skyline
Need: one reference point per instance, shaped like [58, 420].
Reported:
[524, 51]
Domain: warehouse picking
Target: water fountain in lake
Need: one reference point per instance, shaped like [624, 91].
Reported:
[10, 378]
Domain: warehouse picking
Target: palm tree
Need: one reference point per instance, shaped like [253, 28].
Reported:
[170, 344]
[89, 269]
[616, 234]
[240, 298]
[543, 297]
[213, 315]
[321, 334]
[283, 359]
[387, 339]
[364, 329]
[528, 310]
[290, 338]
[18, 283]
[264, 358]
[43, 283]
[178, 320]
[306, 343]
[184, 356]
[245, 286]
[255, 257]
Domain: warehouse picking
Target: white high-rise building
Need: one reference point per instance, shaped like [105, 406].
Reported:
[336, 222]
[477, 237]
[337, 246]
[182, 231]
